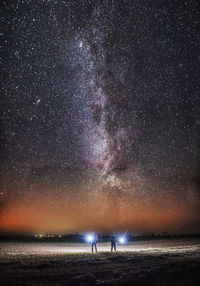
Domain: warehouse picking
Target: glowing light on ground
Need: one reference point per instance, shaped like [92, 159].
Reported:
[43, 249]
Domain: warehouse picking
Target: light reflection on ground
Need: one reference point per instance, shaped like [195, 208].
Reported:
[153, 246]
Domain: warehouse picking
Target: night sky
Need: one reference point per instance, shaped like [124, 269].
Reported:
[100, 115]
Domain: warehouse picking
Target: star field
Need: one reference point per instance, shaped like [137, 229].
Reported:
[100, 115]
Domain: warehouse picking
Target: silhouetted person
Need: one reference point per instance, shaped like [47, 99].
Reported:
[113, 242]
[94, 243]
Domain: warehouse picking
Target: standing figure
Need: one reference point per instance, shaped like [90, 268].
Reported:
[113, 242]
[94, 243]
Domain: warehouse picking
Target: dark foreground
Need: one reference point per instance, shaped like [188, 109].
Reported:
[170, 262]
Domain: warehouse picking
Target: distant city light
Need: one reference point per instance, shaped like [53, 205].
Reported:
[48, 235]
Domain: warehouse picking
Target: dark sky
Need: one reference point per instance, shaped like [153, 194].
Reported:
[100, 115]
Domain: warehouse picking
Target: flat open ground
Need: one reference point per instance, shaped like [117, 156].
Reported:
[155, 262]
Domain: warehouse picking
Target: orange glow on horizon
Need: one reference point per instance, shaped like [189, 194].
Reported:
[104, 214]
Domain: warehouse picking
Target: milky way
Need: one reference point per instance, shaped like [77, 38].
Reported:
[100, 115]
